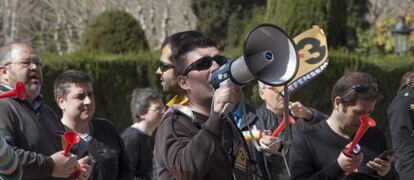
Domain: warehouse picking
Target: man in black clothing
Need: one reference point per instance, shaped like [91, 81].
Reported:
[401, 121]
[30, 127]
[270, 115]
[147, 109]
[98, 138]
[316, 153]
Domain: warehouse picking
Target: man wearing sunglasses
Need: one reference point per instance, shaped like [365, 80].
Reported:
[317, 153]
[166, 72]
[401, 121]
[194, 141]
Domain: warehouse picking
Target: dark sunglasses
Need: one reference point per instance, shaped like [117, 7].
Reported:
[164, 66]
[360, 88]
[363, 88]
[204, 63]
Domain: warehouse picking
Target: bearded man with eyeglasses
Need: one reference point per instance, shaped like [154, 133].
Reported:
[317, 153]
[30, 126]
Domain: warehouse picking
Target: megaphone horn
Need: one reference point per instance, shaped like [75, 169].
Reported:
[71, 138]
[19, 91]
[269, 55]
[365, 123]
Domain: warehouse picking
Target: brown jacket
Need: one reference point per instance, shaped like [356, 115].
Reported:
[190, 146]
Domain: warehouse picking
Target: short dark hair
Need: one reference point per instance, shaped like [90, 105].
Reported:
[64, 80]
[140, 101]
[355, 85]
[407, 79]
[185, 42]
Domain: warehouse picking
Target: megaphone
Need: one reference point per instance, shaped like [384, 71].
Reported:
[19, 91]
[365, 123]
[269, 55]
[71, 138]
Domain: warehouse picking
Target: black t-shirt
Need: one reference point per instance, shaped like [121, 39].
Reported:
[139, 147]
[314, 153]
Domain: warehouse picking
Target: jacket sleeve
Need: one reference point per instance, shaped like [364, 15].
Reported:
[10, 167]
[317, 116]
[34, 165]
[185, 152]
[401, 120]
[301, 163]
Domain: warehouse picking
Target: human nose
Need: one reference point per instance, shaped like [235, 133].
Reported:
[87, 100]
[158, 71]
[34, 65]
[214, 66]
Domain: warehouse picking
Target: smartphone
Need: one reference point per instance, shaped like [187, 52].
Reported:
[386, 153]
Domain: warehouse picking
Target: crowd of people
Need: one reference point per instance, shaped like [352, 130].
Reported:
[192, 136]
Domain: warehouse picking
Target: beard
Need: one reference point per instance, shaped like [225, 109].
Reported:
[32, 90]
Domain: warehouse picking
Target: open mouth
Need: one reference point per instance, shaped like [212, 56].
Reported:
[33, 77]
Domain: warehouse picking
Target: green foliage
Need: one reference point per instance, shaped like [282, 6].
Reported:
[339, 18]
[224, 20]
[114, 32]
[378, 39]
[115, 77]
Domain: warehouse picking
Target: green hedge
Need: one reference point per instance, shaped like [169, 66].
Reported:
[114, 79]
[117, 75]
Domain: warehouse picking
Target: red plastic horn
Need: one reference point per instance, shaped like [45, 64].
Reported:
[282, 125]
[366, 122]
[19, 91]
[71, 138]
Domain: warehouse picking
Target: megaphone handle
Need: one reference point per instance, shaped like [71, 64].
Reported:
[68, 146]
[226, 110]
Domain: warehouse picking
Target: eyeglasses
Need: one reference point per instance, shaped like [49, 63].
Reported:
[160, 109]
[275, 90]
[27, 63]
[164, 66]
[204, 63]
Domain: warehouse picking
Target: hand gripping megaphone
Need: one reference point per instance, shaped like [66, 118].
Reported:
[19, 91]
[269, 55]
[71, 138]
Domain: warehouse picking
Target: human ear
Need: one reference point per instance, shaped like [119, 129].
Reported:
[261, 94]
[337, 103]
[182, 81]
[61, 103]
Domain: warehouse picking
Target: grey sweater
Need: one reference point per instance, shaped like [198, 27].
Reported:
[32, 133]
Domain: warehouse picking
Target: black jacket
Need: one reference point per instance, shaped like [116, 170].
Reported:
[401, 122]
[107, 151]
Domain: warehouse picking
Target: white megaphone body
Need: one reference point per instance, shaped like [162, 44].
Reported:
[269, 55]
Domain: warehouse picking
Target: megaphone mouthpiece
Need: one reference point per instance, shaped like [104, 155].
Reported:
[19, 91]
